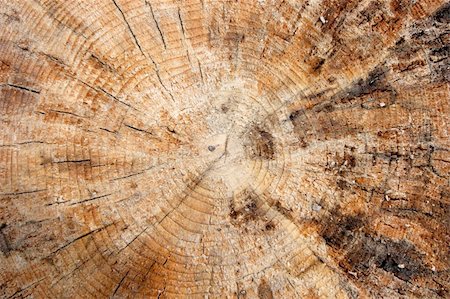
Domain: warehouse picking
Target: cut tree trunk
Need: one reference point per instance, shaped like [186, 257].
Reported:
[240, 149]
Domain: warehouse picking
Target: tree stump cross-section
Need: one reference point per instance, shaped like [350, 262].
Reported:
[224, 149]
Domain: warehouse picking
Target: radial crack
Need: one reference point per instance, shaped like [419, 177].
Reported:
[120, 283]
[129, 27]
[90, 199]
[23, 192]
[22, 88]
[157, 24]
[181, 23]
[90, 233]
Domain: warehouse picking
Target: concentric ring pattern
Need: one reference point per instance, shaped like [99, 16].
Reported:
[214, 149]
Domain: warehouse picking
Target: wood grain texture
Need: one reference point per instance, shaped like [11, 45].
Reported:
[224, 149]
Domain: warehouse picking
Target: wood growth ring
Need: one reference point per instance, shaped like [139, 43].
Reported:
[224, 149]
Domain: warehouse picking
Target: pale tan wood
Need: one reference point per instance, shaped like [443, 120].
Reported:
[224, 149]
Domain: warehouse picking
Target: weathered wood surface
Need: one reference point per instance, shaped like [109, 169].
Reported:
[271, 149]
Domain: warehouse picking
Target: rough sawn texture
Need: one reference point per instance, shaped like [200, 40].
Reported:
[224, 149]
